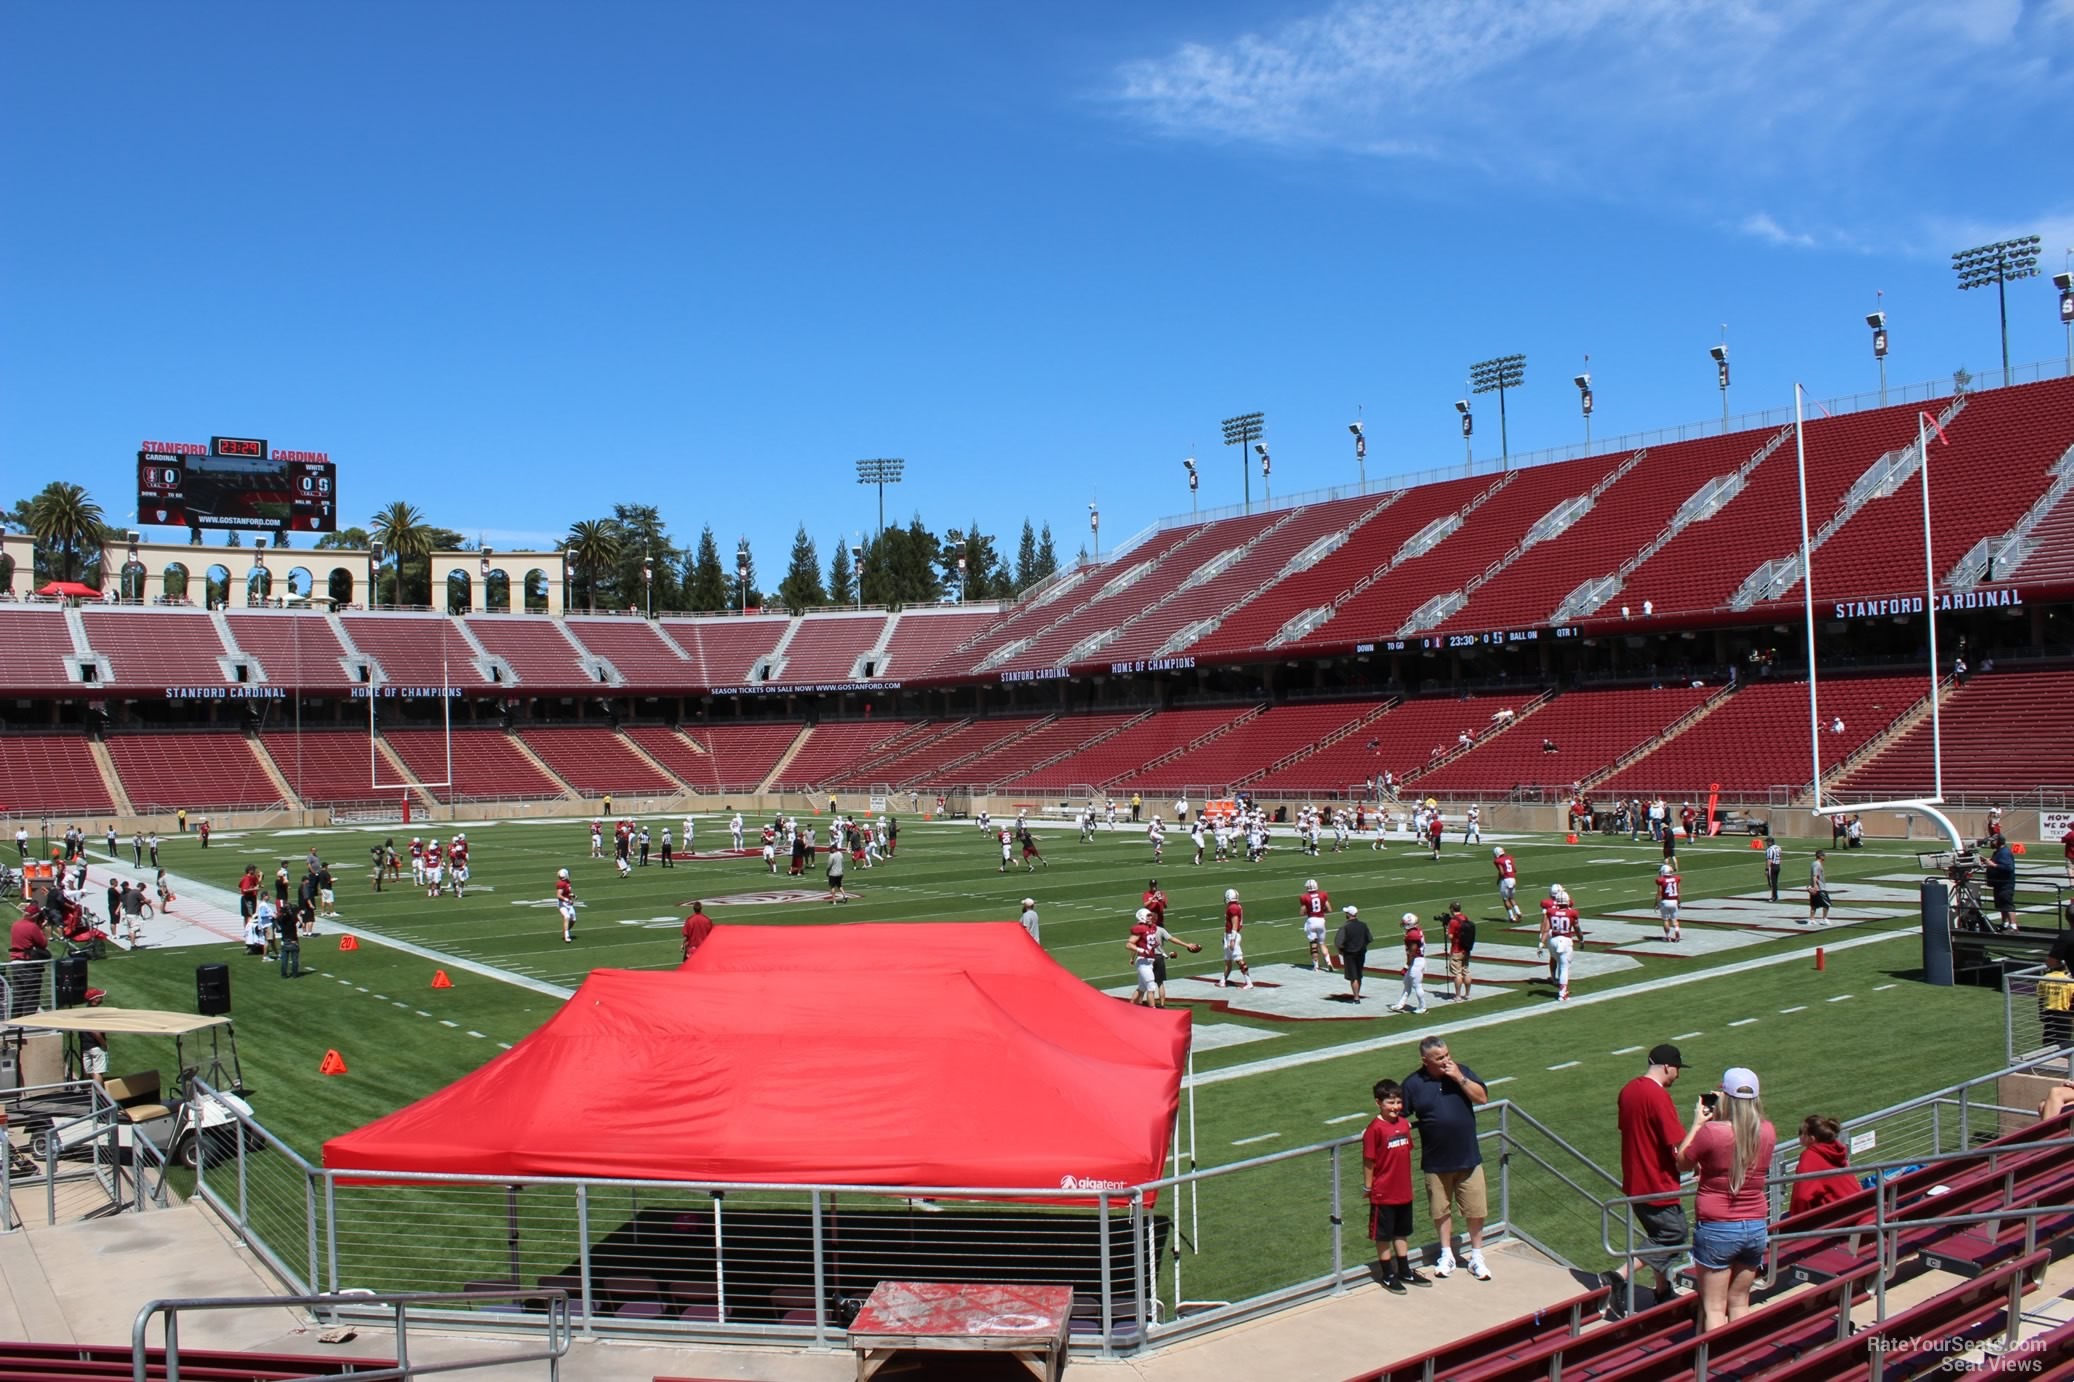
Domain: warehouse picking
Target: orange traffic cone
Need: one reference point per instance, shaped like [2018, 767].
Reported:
[1756, 843]
[349, 942]
[2017, 848]
[333, 1064]
[1570, 839]
[440, 981]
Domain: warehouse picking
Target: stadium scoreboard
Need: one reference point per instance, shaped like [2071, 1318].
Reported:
[236, 482]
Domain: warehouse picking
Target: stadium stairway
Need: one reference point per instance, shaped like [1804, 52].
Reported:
[791, 752]
[275, 775]
[525, 751]
[1669, 732]
[640, 751]
[110, 779]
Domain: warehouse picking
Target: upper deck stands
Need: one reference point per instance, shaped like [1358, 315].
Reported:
[297, 651]
[922, 638]
[148, 649]
[638, 653]
[727, 650]
[415, 649]
[828, 647]
[540, 655]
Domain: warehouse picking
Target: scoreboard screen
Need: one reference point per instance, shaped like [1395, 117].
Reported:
[237, 483]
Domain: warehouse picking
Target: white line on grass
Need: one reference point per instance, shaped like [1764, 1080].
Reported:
[1882, 988]
[1346, 1117]
[505, 1044]
[442, 957]
[1566, 1065]
[1628, 1051]
[1247, 1141]
[478, 1036]
[1274, 1064]
[1840, 998]
[444, 1023]
[1502, 1079]
[1742, 1022]
[1799, 1009]
[1687, 1036]
[421, 1012]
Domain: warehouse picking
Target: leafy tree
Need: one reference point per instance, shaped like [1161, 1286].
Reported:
[842, 588]
[65, 517]
[802, 589]
[915, 571]
[344, 540]
[593, 546]
[983, 576]
[402, 531]
[707, 581]
[644, 538]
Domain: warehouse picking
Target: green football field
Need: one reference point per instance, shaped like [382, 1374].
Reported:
[1860, 1033]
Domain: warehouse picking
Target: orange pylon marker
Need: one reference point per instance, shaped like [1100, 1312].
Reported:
[1821, 960]
[333, 1064]
[440, 981]
[349, 942]
[1570, 840]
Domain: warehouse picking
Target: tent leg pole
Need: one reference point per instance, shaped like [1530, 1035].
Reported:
[1195, 1198]
[719, 1263]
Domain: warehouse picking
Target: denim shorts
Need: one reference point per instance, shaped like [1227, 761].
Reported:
[1719, 1244]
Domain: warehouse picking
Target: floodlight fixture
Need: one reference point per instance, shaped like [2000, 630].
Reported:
[374, 571]
[1584, 402]
[1360, 450]
[1193, 480]
[1720, 354]
[1998, 264]
[742, 571]
[2065, 283]
[881, 471]
[1496, 375]
[1243, 431]
[1267, 466]
[1094, 526]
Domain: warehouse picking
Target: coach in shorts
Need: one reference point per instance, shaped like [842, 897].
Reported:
[1443, 1097]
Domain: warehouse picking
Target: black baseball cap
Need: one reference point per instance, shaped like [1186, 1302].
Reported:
[1666, 1054]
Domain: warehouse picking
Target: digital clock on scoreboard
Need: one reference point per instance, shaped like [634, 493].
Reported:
[244, 447]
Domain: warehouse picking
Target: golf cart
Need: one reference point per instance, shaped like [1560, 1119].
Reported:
[180, 1126]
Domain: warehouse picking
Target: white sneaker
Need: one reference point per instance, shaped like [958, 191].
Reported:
[1220, 984]
[1476, 1267]
[1445, 1266]
[1249, 983]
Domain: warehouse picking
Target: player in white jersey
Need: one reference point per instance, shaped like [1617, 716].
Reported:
[1472, 826]
[986, 823]
[1112, 812]
[597, 839]
[689, 824]
[1340, 827]
[1087, 823]
[1195, 837]
[1005, 839]
[1157, 833]
[734, 831]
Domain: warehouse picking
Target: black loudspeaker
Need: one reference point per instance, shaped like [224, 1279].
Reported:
[68, 980]
[212, 990]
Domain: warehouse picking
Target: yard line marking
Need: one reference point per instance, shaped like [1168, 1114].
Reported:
[422, 1013]
[1742, 1022]
[505, 1044]
[444, 1023]
[394, 1004]
[450, 960]
[1566, 1065]
[1346, 1118]
[1502, 1079]
[1840, 998]
[1801, 1009]
[1881, 988]
[1275, 1064]
[478, 1036]
[1245, 1141]
[1627, 1051]
[1687, 1036]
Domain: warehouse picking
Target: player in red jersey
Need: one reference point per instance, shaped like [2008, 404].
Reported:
[457, 858]
[1234, 947]
[1508, 882]
[435, 869]
[1667, 900]
[565, 903]
[1563, 935]
[1313, 907]
[1433, 831]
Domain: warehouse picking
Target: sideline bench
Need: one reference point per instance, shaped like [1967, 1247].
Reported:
[1027, 1322]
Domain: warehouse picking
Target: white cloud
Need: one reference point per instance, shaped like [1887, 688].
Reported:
[1761, 225]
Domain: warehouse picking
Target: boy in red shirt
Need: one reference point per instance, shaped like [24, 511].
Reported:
[1386, 1175]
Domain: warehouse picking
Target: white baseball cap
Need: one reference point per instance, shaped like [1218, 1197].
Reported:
[1351, 910]
[1739, 1083]
[1028, 903]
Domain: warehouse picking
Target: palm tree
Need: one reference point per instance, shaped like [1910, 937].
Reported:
[62, 516]
[401, 530]
[593, 546]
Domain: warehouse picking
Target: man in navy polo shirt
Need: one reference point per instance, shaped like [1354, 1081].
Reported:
[1442, 1096]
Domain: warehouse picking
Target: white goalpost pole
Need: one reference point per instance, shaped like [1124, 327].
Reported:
[1930, 612]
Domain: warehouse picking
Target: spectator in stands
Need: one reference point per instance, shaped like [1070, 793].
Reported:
[697, 927]
[1821, 1149]
[1548, 745]
[2000, 875]
[1730, 1146]
[1443, 1097]
[1959, 670]
[1649, 1137]
[2057, 1101]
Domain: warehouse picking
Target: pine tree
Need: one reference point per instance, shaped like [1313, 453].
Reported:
[801, 589]
[914, 573]
[708, 586]
[1047, 556]
[742, 593]
[1026, 559]
[841, 587]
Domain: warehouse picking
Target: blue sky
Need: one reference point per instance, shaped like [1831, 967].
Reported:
[514, 263]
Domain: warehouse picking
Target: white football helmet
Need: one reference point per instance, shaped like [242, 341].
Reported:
[1231, 894]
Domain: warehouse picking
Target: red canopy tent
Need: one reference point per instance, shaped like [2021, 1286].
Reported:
[75, 589]
[949, 1055]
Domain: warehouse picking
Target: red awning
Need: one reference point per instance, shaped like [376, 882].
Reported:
[951, 1054]
[84, 592]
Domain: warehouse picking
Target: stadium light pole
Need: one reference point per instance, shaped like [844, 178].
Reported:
[374, 573]
[1193, 480]
[961, 580]
[1468, 432]
[742, 573]
[2065, 283]
[1496, 375]
[857, 572]
[1584, 401]
[1360, 451]
[648, 580]
[484, 564]
[1094, 525]
[1242, 431]
[1998, 264]
[881, 471]
[1878, 322]
[1720, 354]
[1267, 466]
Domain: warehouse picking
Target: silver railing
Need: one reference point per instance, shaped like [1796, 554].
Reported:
[71, 1136]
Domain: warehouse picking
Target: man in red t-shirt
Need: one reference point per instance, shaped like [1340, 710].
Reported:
[2067, 841]
[1461, 940]
[248, 892]
[1386, 1175]
[697, 927]
[1649, 1136]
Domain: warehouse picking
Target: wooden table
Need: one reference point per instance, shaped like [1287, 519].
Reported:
[1029, 1322]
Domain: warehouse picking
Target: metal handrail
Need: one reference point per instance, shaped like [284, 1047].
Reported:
[557, 1320]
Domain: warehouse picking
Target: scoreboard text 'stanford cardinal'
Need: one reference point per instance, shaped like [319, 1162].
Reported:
[236, 482]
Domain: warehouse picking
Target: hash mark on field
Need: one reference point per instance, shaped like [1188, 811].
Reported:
[1566, 1065]
[505, 1044]
[478, 1035]
[1840, 998]
[1687, 1036]
[1742, 1022]
[1627, 1051]
[444, 1023]
[1502, 1079]
[395, 1003]
[1244, 1141]
[1881, 988]
[421, 1012]
[1346, 1118]
[1801, 1009]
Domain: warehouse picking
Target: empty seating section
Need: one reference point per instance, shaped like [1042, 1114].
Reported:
[1756, 738]
[1367, 548]
[1117, 758]
[540, 655]
[487, 765]
[1063, 735]
[743, 755]
[415, 649]
[33, 646]
[595, 760]
[295, 651]
[1289, 535]
[927, 762]
[1486, 535]
[330, 767]
[1707, 562]
[920, 639]
[52, 772]
[826, 647]
[156, 648]
[688, 763]
[727, 650]
[2002, 447]
[165, 772]
[1402, 741]
[830, 748]
[1267, 738]
[1069, 599]
[2005, 732]
[2052, 559]
[1588, 728]
[1624, 520]
[637, 652]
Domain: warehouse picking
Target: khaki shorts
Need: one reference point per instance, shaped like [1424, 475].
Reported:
[1464, 1188]
[1457, 966]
